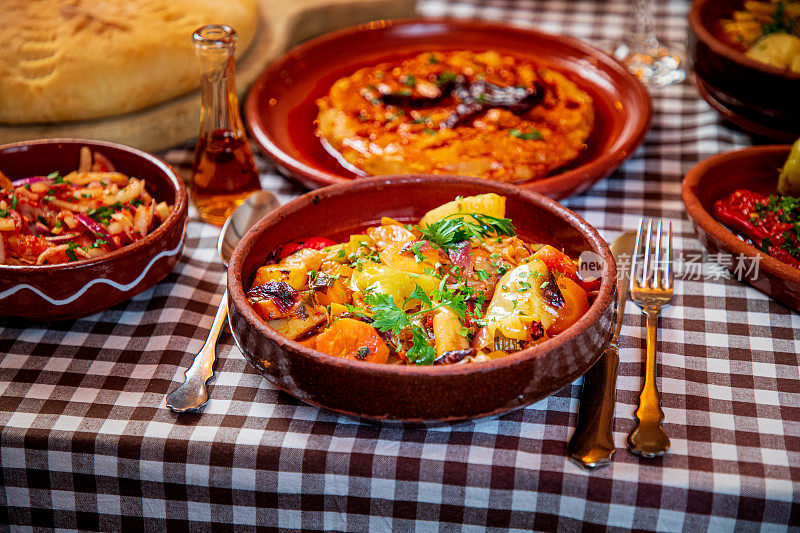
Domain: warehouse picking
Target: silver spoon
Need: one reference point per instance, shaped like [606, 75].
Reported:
[192, 393]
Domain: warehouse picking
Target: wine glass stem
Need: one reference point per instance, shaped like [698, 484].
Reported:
[643, 34]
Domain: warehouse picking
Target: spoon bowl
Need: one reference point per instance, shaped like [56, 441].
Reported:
[245, 217]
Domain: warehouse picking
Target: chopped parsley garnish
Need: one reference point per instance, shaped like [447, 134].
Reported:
[103, 214]
[410, 81]
[430, 131]
[420, 120]
[482, 274]
[765, 245]
[418, 256]
[14, 201]
[4, 213]
[362, 352]
[781, 22]
[460, 227]
[387, 317]
[432, 59]
[789, 245]
[445, 77]
[70, 251]
[533, 135]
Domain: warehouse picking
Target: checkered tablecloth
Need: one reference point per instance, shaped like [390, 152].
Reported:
[87, 443]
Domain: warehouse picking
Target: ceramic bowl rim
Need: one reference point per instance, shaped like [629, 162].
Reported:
[181, 205]
[606, 294]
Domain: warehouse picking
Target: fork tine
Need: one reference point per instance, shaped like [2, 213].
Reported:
[632, 276]
[647, 257]
[669, 274]
[656, 282]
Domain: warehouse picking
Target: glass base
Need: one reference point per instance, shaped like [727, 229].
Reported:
[656, 64]
[215, 209]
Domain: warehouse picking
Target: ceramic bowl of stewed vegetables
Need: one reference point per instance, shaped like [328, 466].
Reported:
[421, 299]
[84, 225]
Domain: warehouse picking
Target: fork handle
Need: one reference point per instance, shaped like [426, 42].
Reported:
[650, 400]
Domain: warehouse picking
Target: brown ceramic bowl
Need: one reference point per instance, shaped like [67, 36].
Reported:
[408, 393]
[80, 288]
[753, 95]
[281, 106]
[716, 177]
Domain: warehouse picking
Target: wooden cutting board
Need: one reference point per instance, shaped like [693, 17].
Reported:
[283, 24]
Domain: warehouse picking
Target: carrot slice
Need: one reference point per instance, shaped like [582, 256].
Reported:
[353, 339]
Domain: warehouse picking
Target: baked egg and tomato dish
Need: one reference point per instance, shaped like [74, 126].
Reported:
[487, 115]
[459, 286]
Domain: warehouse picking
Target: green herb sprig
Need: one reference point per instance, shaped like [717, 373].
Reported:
[460, 227]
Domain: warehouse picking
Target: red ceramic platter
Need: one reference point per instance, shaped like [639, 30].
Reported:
[80, 288]
[751, 168]
[755, 96]
[408, 393]
[281, 106]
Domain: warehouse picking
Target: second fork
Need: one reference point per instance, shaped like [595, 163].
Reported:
[651, 290]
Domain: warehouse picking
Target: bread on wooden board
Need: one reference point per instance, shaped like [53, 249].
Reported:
[68, 60]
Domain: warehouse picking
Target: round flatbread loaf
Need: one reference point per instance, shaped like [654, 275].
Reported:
[66, 60]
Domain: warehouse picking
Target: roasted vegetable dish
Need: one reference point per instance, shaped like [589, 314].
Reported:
[459, 286]
[45, 220]
[458, 112]
[766, 31]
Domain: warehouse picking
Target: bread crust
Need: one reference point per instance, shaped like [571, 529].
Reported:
[71, 60]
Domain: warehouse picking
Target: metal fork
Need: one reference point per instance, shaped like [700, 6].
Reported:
[651, 290]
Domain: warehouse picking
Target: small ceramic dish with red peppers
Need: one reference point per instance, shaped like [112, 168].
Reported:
[745, 208]
[457, 287]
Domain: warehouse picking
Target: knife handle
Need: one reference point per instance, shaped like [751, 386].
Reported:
[592, 444]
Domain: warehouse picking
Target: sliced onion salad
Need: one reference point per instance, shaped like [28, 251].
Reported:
[97, 230]
[86, 213]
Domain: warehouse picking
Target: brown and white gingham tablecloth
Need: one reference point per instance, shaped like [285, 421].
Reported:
[86, 441]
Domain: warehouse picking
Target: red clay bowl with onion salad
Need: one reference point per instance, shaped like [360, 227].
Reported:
[84, 287]
[410, 393]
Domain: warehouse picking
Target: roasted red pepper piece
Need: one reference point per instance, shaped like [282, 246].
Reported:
[315, 243]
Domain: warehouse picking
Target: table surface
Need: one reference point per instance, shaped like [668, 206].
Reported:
[87, 443]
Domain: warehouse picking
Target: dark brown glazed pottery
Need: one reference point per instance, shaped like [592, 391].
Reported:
[281, 107]
[753, 95]
[408, 393]
[751, 168]
[80, 288]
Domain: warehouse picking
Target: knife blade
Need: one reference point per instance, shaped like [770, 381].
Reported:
[592, 444]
